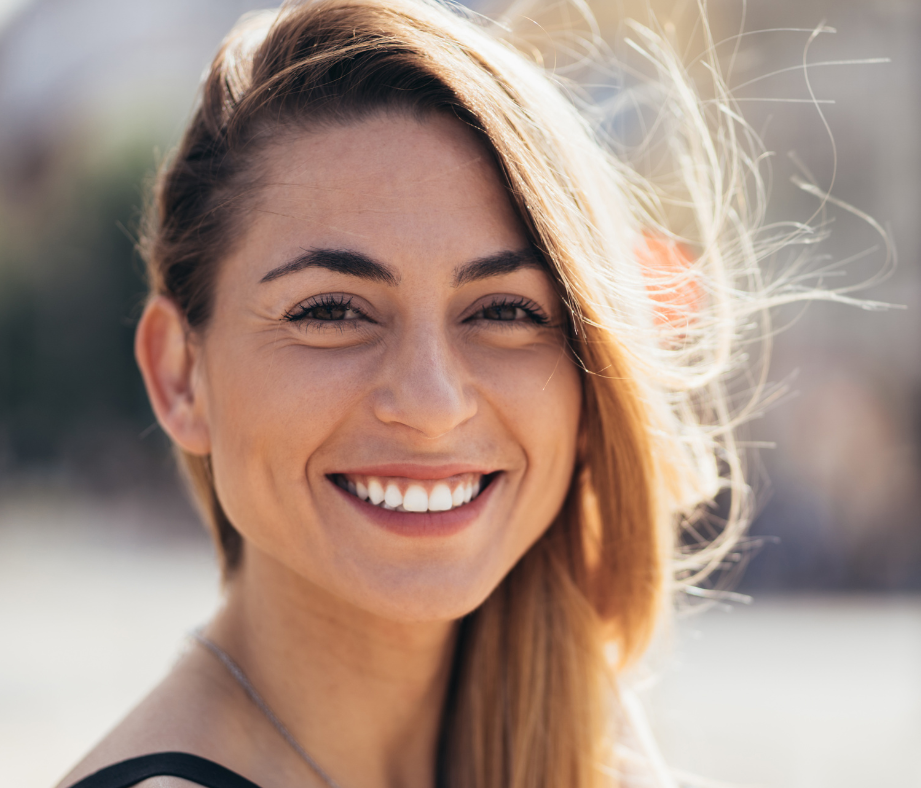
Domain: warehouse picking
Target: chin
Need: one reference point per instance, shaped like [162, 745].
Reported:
[435, 592]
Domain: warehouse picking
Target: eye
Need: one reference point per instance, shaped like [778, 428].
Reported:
[511, 310]
[325, 309]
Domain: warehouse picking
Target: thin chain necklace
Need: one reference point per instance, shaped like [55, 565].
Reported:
[237, 672]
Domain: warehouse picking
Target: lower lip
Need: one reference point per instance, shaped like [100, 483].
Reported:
[422, 523]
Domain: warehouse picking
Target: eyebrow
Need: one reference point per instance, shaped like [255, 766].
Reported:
[341, 261]
[497, 265]
[345, 261]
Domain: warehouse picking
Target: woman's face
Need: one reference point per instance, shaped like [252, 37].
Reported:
[384, 348]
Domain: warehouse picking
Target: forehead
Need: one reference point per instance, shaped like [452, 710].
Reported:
[388, 185]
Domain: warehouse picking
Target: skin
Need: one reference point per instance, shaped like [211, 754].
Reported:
[347, 628]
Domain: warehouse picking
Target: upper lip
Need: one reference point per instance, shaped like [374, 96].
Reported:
[411, 470]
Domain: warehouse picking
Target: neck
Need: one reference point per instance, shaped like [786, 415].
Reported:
[363, 695]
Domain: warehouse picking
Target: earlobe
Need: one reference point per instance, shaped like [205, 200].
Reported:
[167, 361]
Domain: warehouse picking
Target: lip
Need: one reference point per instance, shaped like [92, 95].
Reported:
[422, 473]
[420, 524]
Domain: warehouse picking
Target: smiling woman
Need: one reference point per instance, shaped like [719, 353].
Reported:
[415, 349]
[406, 332]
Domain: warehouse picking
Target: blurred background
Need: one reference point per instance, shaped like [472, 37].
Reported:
[103, 567]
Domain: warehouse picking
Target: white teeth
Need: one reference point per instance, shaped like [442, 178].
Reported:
[439, 498]
[375, 492]
[416, 499]
[457, 497]
[392, 496]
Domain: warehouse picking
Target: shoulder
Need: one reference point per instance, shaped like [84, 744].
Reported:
[165, 770]
[163, 782]
[168, 720]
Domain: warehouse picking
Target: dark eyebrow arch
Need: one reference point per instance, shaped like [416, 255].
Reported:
[498, 265]
[342, 261]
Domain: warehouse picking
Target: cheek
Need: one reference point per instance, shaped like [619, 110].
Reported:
[554, 435]
[538, 396]
[269, 409]
[539, 393]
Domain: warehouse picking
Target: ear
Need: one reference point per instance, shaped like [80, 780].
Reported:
[167, 359]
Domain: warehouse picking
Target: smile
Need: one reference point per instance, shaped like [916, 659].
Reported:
[414, 495]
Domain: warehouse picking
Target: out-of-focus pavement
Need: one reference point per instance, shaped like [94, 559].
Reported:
[92, 613]
[797, 692]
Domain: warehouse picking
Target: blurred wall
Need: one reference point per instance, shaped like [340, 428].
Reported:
[93, 91]
[843, 505]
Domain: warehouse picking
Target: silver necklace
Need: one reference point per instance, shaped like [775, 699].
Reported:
[237, 672]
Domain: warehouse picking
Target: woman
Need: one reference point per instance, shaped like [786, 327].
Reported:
[444, 387]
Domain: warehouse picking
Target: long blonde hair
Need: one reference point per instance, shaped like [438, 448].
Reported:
[657, 312]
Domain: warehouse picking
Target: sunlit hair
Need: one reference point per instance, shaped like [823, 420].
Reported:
[658, 266]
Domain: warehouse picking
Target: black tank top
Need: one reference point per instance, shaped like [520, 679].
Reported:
[193, 768]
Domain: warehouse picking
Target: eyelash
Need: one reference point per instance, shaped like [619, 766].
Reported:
[301, 313]
[534, 313]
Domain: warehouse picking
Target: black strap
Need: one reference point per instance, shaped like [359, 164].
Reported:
[165, 764]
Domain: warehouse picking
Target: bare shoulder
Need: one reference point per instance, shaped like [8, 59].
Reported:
[170, 719]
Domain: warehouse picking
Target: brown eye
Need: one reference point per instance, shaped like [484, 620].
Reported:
[516, 310]
[339, 312]
[504, 312]
[330, 309]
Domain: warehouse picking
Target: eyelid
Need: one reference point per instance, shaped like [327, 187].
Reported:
[296, 314]
[536, 313]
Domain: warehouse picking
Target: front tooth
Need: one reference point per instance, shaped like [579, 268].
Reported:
[440, 499]
[468, 492]
[362, 491]
[375, 492]
[416, 499]
[393, 497]
[457, 497]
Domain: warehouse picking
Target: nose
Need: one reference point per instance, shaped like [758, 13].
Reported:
[425, 385]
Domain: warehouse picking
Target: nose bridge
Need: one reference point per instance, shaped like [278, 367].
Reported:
[424, 385]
